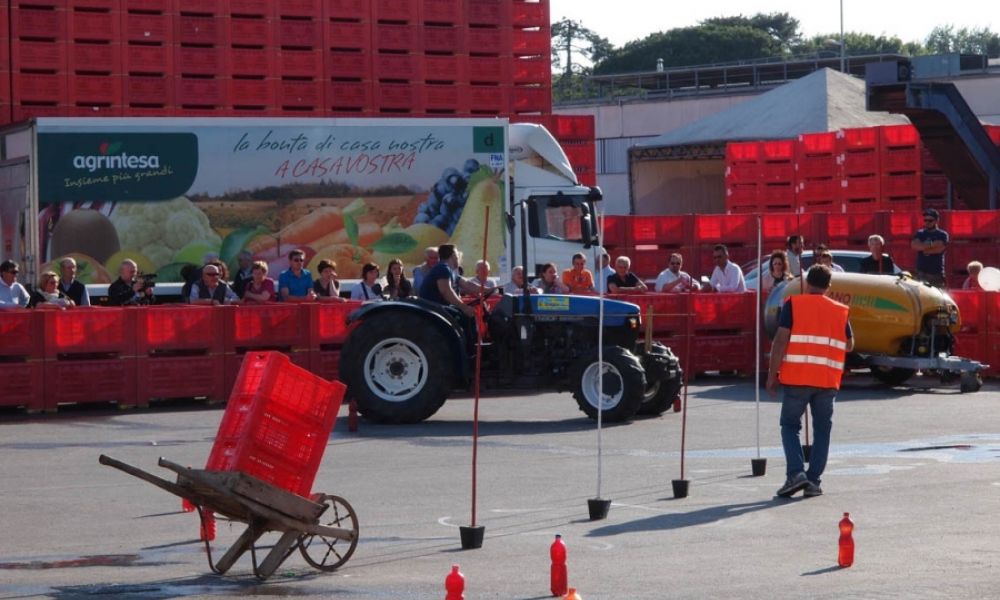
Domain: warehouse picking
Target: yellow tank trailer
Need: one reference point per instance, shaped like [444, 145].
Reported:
[900, 326]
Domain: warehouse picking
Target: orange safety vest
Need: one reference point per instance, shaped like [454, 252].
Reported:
[818, 344]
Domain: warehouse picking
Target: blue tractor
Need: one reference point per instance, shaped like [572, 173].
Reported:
[403, 358]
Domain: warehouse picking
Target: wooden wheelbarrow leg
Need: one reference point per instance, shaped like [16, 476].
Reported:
[281, 550]
[238, 549]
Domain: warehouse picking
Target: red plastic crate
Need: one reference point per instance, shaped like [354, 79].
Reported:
[300, 8]
[147, 27]
[902, 203]
[573, 127]
[442, 38]
[250, 31]
[397, 66]
[731, 229]
[971, 308]
[489, 69]
[448, 98]
[742, 194]
[860, 138]
[529, 14]
[253, 8]
[531, 42]
[899, 135]
[348, 64]
[326, 364]
[441, 11]
[721, 353]
[95, 58]
[489, 12]
[200, 60]
[200, 29]
[395, 36]
[300, 63]
[293, 93]
[403, 96]
[101, 4]
[671, 230]
[934, 186]
[46, 22]
[395, 10]
[200, 91]
[671, 312]
[95, 89]
[614, 230]
[852, 226]
[162, 6]
[251, 62]
[960, 254]
[775, 172]
[814, 190]
[861, 187]
[580, 154]
[864, 163]
[23, 385]
[153, 59]
[298, 33]
[725, 310]
[901, 184]
[181, 377]
[37, 55]
[277, 423]
[180, 327]
[348, 34]
[87, 330]
[28, 111]
[648, 263]
[743, 152]
[817, 144]
[817, 167]
[267, 326]
[492, 40]
[992, 302]
[489, 98]
[446, 68]
[22, 333]
[971, 224]
[99, 26]
[88, 381]
[39, 87]
[244, 93]
[972, 345]
[776, 227]
[904, 159]
[530, 99]
[533, 70]
[902, 225]
[776, 196]
[330, 323]
[781, 151]
[148, 90]
[349, 94]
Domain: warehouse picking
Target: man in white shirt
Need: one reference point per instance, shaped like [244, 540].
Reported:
[672, 279]
[727, 276]
[12, 293]
[795, 244]
[605, 272]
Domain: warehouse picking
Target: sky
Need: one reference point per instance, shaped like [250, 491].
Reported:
[622, 21]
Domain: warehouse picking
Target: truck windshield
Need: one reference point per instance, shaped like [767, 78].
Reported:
[559, 217]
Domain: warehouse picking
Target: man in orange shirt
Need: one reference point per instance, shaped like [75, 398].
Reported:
[807, 358]
[579, 279]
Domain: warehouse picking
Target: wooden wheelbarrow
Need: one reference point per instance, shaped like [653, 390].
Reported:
[263, 507]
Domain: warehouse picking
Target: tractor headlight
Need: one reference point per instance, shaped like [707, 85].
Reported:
[633, 322]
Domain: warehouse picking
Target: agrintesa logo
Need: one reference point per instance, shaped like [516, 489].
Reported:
[112, 156]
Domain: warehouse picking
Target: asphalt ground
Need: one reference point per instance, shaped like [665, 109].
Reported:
[917, 468]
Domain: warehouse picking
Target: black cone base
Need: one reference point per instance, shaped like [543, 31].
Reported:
[680, 487]
[758, 466]
[598, 508]
[472, 537]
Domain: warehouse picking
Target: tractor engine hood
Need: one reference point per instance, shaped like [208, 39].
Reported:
[566, 307]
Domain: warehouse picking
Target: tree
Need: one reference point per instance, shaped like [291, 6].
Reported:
[945, 38]
[688, 46]
[572, 43]
[780, 26]
[855, 43]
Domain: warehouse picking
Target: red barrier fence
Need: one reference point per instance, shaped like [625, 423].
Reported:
[131, 356]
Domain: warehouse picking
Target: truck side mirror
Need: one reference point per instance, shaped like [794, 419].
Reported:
[586, 230]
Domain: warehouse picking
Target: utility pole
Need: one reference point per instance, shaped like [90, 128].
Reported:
[843, 48]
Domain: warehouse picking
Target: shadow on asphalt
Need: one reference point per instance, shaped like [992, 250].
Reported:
[238, 585]
[690, 519]
[486, 428]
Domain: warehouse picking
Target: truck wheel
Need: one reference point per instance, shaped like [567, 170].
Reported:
[659, 397]
[402, 372]
[624, 384]
[892, 375]
[971, 382]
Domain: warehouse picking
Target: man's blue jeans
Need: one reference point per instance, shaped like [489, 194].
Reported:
[793, 406]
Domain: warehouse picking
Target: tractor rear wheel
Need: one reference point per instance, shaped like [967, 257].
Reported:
[623, 385]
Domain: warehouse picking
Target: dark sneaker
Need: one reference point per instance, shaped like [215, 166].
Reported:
[812, 490]
[794, 484]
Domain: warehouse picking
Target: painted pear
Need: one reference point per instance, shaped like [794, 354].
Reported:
[471, 228]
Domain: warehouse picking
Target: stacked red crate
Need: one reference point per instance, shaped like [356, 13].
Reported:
[777, 176]
[531, 74]
[901, 159]
[5, 64]
[742, 176]
[38, 79]
[180, 353]
[489, 40]
[972, 237]
[817, 173]
[860, 164]
[444, 57]
[201, 58]
[147, 50]
[349, 57]
[250, 34]
[21, 356]
[94, 60]
[398, 59]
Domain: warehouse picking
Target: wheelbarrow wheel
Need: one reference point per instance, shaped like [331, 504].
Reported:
[327, 554]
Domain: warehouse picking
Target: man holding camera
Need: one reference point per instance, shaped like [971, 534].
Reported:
[128, 289]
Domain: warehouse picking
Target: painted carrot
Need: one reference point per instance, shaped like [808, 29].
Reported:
[303, 230]
[369, 232]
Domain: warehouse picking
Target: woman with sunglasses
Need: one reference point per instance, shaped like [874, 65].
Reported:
[48, 294]
[777, 271]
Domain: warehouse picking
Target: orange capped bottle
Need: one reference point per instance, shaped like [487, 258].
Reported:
[845, 556]
[558, 578]
[454, 584]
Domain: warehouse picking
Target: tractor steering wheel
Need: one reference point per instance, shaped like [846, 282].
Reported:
[475, 301]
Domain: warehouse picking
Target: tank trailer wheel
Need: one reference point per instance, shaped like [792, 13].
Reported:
[326, 554]
[971, 382]
[623, 381]
[892, 376]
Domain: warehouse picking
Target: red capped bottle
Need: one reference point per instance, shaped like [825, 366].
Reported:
[845, 557]
[557, 551]
[572, 595]
[454, 584]
[207, 529]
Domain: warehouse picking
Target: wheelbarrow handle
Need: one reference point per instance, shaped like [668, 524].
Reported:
[159, 482]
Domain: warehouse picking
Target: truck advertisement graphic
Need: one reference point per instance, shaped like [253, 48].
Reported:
[165, 192]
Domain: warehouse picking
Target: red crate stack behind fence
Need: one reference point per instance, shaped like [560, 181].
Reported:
[860, 164]
[277, 423]
[901, 160]
[742, 176]
[817, 173]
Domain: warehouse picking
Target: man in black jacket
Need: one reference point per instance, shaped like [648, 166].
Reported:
[127, 289]
[69, 285]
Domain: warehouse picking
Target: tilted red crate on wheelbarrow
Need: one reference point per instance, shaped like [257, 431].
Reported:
[262, 466]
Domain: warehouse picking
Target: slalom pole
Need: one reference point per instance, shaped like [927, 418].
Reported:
[598, 507]
[758, 465]
[472, 536]
[680, 486]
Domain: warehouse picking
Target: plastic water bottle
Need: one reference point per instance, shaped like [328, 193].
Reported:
[845, 557]
[557, 551]
[572, 595]
[454, 584]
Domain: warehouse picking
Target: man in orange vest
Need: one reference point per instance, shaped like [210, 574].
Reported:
[807, 358]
